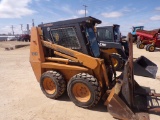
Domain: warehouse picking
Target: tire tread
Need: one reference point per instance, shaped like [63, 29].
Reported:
[93, 81]
[61, 83]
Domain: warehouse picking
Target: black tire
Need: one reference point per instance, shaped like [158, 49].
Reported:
[147, 47]
[151, 48]
[92, 85]
[138, 44]
[117, 61]
[57, 81]
[141, 45]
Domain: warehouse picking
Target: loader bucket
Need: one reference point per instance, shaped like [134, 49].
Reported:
[122, 103]
[130, 101]
[145, 67]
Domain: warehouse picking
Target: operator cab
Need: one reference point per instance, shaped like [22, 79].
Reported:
[109, 33]
[77, 34]
[109, 37]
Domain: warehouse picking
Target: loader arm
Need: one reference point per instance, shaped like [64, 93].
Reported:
[95, 64]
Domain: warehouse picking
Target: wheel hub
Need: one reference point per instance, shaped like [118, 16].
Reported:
[141, 46]
[81, 92]
[151, 48]
[49, 86]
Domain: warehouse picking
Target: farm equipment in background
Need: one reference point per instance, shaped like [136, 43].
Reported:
[149, 38]
[134, 29]
[86, 77]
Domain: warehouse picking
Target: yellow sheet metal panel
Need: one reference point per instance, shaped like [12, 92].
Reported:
[36, 52]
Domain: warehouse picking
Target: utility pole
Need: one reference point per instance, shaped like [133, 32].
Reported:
[85, 6]
[12, 29]
[32, 22]
[22, 28]
[27, 28]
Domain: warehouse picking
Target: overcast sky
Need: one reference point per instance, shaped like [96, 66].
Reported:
[126, 13]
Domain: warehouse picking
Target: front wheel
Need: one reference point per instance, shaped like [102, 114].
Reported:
[84, 90]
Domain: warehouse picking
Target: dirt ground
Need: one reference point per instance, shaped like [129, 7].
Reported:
[21, 97]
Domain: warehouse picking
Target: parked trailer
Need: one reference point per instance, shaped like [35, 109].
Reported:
[149, 38]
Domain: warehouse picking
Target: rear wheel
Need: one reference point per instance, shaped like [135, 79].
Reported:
[52, 84]
[141, 45]
[84, 90]
[117, 61]
[151, 48]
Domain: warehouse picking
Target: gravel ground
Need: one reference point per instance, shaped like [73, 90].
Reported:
[22, 99]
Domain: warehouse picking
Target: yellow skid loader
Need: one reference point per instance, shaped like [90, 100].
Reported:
[86, 77]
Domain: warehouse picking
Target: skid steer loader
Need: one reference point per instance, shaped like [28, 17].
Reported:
[86, 77]
[74, 30]
[110, 41]
[109, 38]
